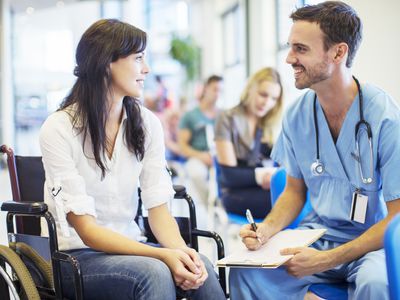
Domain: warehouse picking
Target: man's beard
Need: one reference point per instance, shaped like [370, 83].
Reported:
[312, 76]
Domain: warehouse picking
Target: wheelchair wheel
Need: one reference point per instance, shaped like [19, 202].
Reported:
[16, 276]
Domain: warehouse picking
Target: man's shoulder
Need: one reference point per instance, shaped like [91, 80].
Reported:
[377, 101]
[192, 115]
[300, 108]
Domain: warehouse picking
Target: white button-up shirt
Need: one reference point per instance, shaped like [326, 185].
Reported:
[71, 169]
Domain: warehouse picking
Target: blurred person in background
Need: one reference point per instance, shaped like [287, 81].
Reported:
[244, 138]
[195, 136]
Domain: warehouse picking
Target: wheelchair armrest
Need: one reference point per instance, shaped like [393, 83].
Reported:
[180, 191]
[76, 268]
[215, 236]
[220, 252]
[24, 208]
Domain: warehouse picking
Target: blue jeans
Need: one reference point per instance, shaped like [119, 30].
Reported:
[108, 276]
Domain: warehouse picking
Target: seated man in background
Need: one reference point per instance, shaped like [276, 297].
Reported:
[194, 127]
[243, 138]
[340, 141]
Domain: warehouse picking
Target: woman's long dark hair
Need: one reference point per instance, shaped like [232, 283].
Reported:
[103, 43]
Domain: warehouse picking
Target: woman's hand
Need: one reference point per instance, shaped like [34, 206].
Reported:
[205, 157]
[266, 180]
[263, 176]
[188, 273]
[199, 263]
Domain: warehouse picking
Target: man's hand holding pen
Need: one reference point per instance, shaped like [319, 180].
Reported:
[254, 235]
[253, 240]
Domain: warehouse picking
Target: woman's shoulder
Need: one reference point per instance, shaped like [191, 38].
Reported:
[58, 119]
[151, 122]
[231, 113]
[148, 116]
[57, 124]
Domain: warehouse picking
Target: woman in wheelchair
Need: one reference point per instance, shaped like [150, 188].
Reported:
[96, 149]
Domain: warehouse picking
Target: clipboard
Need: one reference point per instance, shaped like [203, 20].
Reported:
[268, 255]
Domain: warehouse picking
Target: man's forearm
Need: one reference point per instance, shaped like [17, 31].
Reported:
[188, 151]
[370, 240]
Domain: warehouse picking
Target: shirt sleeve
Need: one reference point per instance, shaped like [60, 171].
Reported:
[389, 156]
[236, 177]
[223, 128]
[155, 181]
[62, 177]
[283, 153]
[185, 121]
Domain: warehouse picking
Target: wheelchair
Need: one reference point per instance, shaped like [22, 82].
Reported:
[30, 266]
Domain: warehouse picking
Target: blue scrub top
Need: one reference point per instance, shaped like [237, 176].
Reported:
[331, 193]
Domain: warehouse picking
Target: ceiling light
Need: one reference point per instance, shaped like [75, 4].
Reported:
[30, 10]
[60, 4]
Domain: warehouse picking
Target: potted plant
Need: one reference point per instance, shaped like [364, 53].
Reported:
[187, 53]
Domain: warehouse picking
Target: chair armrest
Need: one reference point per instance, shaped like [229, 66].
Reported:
[24, 208]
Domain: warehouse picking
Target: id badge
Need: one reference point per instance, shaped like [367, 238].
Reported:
[358, 207]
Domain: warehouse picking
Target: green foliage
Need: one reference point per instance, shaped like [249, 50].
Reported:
[187, 53]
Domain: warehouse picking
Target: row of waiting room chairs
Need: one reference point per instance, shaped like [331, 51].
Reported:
[29, 186]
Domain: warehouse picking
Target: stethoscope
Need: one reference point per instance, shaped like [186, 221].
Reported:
[318, 168]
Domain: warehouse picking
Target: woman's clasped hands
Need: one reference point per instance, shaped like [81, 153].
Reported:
[186, 266]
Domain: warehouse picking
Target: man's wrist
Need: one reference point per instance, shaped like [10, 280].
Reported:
[331, 258]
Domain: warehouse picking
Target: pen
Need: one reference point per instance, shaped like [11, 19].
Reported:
[250, 219]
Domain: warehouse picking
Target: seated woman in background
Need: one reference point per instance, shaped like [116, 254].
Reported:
[244, 136]
[96, 149]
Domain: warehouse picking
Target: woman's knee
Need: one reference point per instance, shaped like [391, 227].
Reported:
[156, 282]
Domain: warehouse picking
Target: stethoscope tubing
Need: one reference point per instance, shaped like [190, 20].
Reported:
[317, 167]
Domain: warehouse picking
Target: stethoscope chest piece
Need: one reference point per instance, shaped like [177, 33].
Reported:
[317, 168]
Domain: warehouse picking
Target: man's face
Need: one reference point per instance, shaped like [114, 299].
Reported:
[310, 61]
[213, 91]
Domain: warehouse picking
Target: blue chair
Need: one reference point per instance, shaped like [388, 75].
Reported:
[329, 291]
[392, 251]
[278, 182]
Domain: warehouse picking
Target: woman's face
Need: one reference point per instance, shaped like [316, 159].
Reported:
[128, 75]
[263, 97]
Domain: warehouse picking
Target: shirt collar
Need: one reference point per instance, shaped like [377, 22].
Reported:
[71, 110]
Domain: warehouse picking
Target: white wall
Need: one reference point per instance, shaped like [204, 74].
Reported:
[378, 60]
[6, 95]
